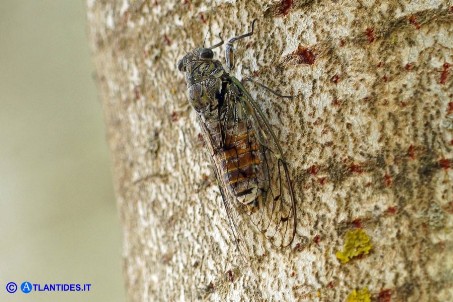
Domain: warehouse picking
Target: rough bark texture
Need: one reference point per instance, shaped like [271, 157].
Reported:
[368, 138]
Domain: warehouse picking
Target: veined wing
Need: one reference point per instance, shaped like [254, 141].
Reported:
[255, 173]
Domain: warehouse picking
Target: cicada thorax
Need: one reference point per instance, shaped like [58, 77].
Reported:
[204, 82]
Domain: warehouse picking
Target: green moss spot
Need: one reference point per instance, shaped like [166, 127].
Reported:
[362, 295]
[357, 243]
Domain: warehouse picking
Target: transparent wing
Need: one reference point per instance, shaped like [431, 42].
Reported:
[254, 167]
[236, 223]
[234, 217]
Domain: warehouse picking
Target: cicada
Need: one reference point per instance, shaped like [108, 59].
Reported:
[248, 160]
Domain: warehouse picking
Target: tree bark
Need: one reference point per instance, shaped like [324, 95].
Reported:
[368, 139]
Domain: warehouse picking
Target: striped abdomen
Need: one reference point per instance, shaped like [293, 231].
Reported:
[239, 163]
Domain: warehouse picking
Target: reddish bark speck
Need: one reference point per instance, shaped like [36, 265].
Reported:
[305, 56]
[313, 170]
[299, 247]
[201, 140]
[285, 7]
[174, 117]
[317, 239]
[357, 223]
[387, 180]
[331, 284]
[230, 275]
[256, 73]
[444, 73]
[411, 151]
[335, 79]
[413, 21]
[391, 210]
[167, 40]
[210, 287]
[385, 295]
[317, 122]
[409, 66]
[188, 3]
[322, 180]
[203, 18]
[355, 168]
[370, 34]
[336, 102]
[450, 108]
[445, 163]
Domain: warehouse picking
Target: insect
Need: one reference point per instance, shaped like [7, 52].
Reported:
[248, 161]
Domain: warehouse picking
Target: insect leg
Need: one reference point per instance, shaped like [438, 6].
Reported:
[249, 79]
[229, 52]
[218, 44]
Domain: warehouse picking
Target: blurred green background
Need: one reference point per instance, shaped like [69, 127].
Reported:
[58, 218]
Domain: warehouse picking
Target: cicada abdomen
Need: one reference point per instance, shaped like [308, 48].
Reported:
[240, 164]
[248, 161]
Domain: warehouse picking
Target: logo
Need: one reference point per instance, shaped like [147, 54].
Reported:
[26, 287]
[11, 287]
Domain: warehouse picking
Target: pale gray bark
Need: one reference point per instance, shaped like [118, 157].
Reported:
[368, 139]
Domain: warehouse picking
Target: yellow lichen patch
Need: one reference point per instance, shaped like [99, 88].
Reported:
[357, 243]
[362, 295]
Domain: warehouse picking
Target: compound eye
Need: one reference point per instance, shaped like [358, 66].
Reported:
[206, 53]
[181, 66]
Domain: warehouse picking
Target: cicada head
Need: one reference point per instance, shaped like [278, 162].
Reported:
[203, 77]
[198, 55]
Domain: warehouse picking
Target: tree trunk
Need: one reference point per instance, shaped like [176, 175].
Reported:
[368, 139]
